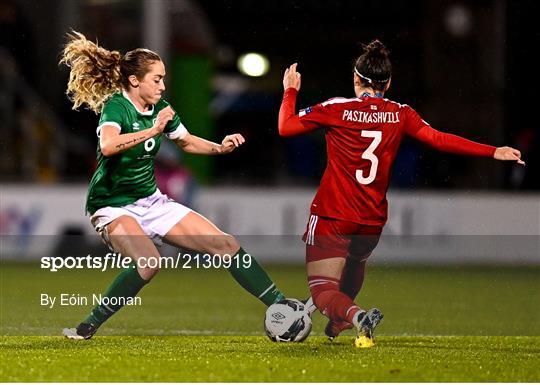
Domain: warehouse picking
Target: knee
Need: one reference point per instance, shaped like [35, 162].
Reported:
[148, 267]
[226, 245]
[148, 273]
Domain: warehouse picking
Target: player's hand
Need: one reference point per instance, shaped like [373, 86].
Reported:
[230, 142]
[163, 117]
[291, 78]
[508, 153]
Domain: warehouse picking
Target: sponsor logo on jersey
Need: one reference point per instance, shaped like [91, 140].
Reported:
[370, 117]
[135, 126]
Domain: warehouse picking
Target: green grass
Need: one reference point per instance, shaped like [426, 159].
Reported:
[441, 324]
[237, 359]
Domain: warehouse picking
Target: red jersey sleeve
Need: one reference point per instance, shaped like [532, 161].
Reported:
[418, 128]
[309, 119]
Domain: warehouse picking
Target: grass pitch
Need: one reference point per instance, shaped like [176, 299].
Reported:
[254, 358]
[441, 324]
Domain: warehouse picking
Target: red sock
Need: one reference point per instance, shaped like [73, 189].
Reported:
[352, 277]
[330, 301]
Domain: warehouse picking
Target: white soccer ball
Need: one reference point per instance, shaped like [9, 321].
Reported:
[287, 321]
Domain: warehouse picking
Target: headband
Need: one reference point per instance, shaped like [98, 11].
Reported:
[368, 79]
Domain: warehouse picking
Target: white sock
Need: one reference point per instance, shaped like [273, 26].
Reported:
[357, 317]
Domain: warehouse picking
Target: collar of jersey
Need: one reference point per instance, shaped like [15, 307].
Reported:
[145, 113]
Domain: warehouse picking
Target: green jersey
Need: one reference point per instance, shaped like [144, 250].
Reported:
[123, 178]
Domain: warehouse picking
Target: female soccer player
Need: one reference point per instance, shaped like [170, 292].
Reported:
[126, 207]
[348, 213]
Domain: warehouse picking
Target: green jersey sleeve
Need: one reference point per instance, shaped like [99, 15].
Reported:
[111, 115]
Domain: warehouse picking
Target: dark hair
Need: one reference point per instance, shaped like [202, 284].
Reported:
[136, 63]
[97, 73]
[373, 66]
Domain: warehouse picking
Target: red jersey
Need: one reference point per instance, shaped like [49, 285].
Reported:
[363, 136]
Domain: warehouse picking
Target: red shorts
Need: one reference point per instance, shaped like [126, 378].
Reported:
[334, 238]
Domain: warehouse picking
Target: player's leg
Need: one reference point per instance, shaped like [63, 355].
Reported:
[362, 245]
[335, 327]
[324, 281]
[327, 246]
[125, 236]
[197, 233]
[353, 277]
[351, 282]
[338, 306]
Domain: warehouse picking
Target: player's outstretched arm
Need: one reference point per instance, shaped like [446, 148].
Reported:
[508, 153]
[196, 145]
[442, 141]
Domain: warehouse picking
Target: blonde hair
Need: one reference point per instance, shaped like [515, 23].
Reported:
[97, 73]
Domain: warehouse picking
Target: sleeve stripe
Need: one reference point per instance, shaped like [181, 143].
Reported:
[179, 132]
[114, 124]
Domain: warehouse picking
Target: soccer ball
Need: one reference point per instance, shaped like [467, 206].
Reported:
[287, 321]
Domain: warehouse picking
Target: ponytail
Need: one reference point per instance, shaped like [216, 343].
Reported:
[95, 72]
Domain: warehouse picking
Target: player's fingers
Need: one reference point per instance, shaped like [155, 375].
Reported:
[239, 138]
[510, 156]
[165, 113]
[234, 140]
[517, 159]
[514, 154]
[290, 71]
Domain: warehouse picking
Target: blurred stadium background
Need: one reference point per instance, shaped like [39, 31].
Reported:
[465, 66]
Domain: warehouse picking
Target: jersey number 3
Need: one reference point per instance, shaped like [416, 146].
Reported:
[369, 155]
